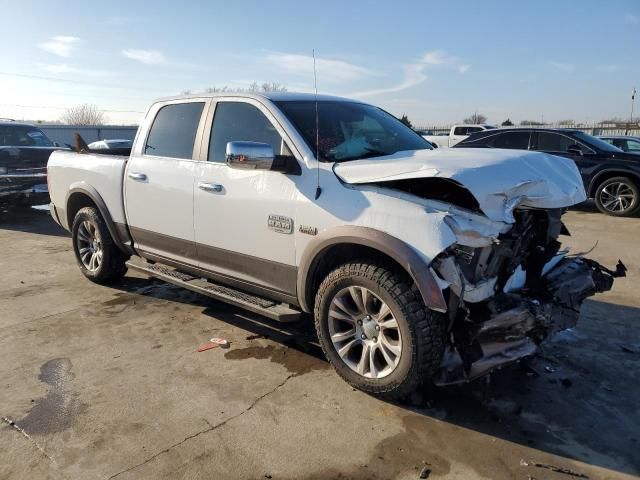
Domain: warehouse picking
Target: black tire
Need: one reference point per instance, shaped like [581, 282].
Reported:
[605, 194]
[112, 266]
[422, 330]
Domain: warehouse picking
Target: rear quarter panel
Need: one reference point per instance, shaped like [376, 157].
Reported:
[69, 170]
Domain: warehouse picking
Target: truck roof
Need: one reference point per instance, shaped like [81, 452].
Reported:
[8, 121]
[273, 96]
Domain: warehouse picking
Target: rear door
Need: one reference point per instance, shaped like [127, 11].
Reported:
[159, 181]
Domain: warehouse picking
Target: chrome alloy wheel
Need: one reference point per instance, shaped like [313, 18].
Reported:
[617, 197]
[364, 332]
[89, 246]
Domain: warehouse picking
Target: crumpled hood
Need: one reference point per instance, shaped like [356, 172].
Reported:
[500, 180]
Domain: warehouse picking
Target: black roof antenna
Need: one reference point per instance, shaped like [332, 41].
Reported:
[315, 86]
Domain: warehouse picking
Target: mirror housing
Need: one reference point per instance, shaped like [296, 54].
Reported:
[575, 150]
[249, 155]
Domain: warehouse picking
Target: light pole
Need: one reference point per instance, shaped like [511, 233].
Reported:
[633, 98]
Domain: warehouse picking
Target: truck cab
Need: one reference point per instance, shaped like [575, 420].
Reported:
[456, 134]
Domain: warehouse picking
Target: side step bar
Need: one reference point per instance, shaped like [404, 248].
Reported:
[280, 312]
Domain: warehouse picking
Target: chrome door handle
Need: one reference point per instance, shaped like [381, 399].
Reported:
[210, 187]
[140, 177]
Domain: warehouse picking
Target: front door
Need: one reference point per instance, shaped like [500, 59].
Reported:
[244, 219]
[159, 183]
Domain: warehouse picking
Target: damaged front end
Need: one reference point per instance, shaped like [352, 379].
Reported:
[509, 293]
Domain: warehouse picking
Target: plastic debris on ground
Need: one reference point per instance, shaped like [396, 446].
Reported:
[215, 342]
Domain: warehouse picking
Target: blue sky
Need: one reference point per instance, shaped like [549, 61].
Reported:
[437, 62]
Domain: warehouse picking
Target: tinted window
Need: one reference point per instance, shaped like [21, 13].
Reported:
[23, 136]
[474, 129]
[553, 142]
[238, 121]
[512, 140]
[595, 142]
[174, 130]
[460, 130]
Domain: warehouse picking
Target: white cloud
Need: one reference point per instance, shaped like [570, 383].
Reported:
[414, 72]
[443, 59]
[563, 67]
[148, 57]
[607, 68]
[632, 18]
[62, 68]
[60, 45]
[329, 70]
[413, 75]
[438, 57]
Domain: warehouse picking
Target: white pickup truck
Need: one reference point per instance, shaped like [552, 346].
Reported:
[455, 135]
[417, 265]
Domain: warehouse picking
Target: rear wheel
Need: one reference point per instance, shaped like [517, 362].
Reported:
[376, 331]
[97, 255]
[618, 196]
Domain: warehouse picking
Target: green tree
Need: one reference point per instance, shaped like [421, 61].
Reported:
[406, 120]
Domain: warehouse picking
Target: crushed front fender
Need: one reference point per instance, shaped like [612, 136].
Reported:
[513, 325]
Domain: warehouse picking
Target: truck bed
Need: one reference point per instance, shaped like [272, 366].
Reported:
[69, 170]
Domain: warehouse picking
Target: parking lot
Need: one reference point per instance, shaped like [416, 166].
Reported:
[106, 383]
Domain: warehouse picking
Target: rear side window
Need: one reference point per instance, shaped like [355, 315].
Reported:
[239, 121]
[173, 132]
[474, 129]
[511, 140]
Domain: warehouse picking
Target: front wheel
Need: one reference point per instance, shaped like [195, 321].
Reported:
[99, 258]
[618, 196]
[376, 331]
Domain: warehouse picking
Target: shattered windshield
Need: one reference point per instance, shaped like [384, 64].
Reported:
[350, 130]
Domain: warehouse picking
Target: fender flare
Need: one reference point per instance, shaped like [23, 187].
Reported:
[387, 244]
[123, 244]
[593, 184]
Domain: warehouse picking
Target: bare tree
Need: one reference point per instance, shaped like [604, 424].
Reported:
[254, 87]
[476, 118]
[566, 123]
[85, 114]
[531, 123]
[273, 87]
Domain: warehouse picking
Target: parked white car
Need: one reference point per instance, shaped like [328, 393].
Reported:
[417, 265]
[455, 135]
[110, 144]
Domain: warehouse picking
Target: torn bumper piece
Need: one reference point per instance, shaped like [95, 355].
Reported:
[515, 324]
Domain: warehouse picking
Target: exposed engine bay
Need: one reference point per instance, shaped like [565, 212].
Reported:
[506, 298]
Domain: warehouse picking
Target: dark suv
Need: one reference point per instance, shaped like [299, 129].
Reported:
[611, 177]
[24, 152]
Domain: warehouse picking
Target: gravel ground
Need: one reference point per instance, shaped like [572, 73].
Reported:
[105, 382]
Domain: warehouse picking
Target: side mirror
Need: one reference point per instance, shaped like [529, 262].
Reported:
[250, 155]
[575, 150]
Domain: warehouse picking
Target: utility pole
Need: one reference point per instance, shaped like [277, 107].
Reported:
[633, 98]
